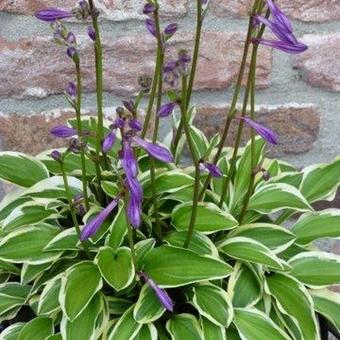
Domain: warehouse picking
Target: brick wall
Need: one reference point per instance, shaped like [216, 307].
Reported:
[297, 96]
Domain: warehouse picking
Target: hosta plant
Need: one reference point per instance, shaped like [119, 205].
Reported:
[113, 237]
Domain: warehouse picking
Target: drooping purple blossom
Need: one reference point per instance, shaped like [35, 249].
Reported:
[149, 9]
[170, 30]
[267, 134]
[119, 123]
[95, 223]
[52, 14]
[151, 27]
[108, 142]
[63, 131]
[72, 52]
[71, 89]
[91, 33]
[212, 169]
[135, 125]
[134, 212]
[154, 150]
[161, 294]
[129, 161]
[166, 109]
[282, 28]
[135, 188]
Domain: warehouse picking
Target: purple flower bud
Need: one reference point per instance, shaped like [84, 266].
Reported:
[135, 125]
[63, 131]
[134, 212]
[71, 52]
[71, 38]
[212, 169]
[149, 8]
[129, 162]
[161, 294]
[154, 150]
[119, 123]
[95, 223]
[56, 155]
[71, 89]
[108, 142]
[129, 105]
[166, 109]
[170, 30]
[151, 27]
[52, 14]
[170, 66]
[75, 145]
[266, 133]
[91, 33]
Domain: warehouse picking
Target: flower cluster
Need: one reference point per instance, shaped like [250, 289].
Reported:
[174, 69]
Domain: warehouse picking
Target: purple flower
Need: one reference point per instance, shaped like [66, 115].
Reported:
[119, 123]
[166, 109]
[212, 169]
[52, 14]
[134, 212]
[56, 155]
[129, 162]
[135, 125]
[63, 131]
[135, 188]
[95, 223]
[91, 33]
[71, 52]
[282, 46]
[154, 150]
[108, 142]
[266, 133]
[170, 30]
[149, 8]
[71, 89]
[161, 294]
[151, 27]
[71, 38]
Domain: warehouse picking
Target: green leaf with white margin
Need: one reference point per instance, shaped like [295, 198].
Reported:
[89, 324]
[116, 267]
[49, 298]
[30, 272]
[317, 225]
[9, 267]
[291, 178]
[12, 295]
[118, 228]
[320, 181]
[256, 325]
[110, 188]
[200, 243]
[184, 326]
[211, 331]
[31, 170]
[126, 328]
[174, 267]
[200, 142]
[12, 200]
[148, 308]
[210, 218]
[118, 306]
[147, 332]
[246, 249]
[272, 236]
[28, 213]
[142, 248]
[53, 187]
[26, 245]
[316, 269]
[78, 286]
[327, 303]
[39, 328]
[275, 197]
[213, 303]
[12, 331]
[245, 286]
[65, 240]
[294, 300]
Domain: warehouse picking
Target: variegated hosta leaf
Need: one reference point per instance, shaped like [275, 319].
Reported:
[200, 142]
[116, 268]
[21, 169]
[7, 267]
[200, 243]
[142, 248]
[211, 331]
[49, 298]
[246, 249]
[213, 303]
[118, 306]
[245, 286]
[89, 324]
[175, 267]
[327, 303]
[256, 325]
[209, 218]
[317, 225]
[29, 272]
[291, 178]
[148, 308]
[78, 285]
[26, 245]
[147, 332]
[294, 300]
[320, 181]
[275, 197]
[184, 326]
[12, 331]
[316, 269]
[126, 328]
[65, 240]
[11, 201]
[272, 236]
[38, 328]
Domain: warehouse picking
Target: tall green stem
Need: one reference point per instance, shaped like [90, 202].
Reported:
[80, 133]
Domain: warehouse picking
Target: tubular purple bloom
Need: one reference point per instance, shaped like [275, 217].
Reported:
[283, 46]
[71, 89]
[108, 142]
[170, 66]
[56, 155]
[129, 161]
[166, 109]
[154, 150]
[63, 131]
[95, 223]
[161, 294]
[151, 26]
[52, 14]
[267, 134]
[134, 212]
[71, 38]
[149, 8]
[91, 33]
[119, 123]
[279, 17]
[135, 125]
[135, 188]
[170, 30]
[213, 170]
